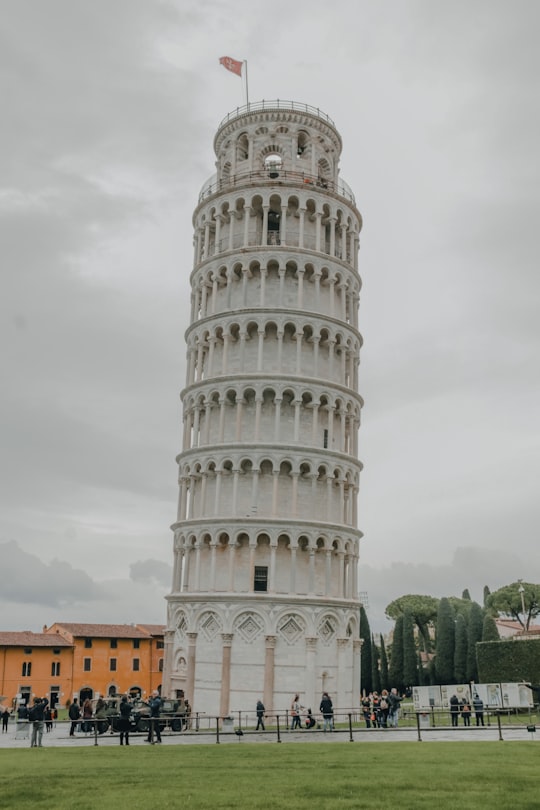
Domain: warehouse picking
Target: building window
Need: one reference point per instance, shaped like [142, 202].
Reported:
[114, 643]
[57, 651]
[112, 664]
[136, 665]
[28, 650]
[261, 578]
[160, 645]
[26, 669]
[87, 665]
[160, 665]
[136, 643]
[55, 669]
[87, 643]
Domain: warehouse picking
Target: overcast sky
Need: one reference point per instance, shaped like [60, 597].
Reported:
[109, 109]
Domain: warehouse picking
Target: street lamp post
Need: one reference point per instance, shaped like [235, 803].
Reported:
[521, 591]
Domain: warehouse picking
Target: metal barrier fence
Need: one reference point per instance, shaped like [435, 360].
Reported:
[349, 724]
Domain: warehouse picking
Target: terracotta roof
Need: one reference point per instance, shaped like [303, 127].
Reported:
[97, 630]
[154, 629]
[26, 638]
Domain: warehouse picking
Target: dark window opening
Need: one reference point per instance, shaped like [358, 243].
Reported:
[112, 665]
[87, 664]
[261, 578]
[26, 669]
[114, 643]
[136, 643]
[55, 669]
[325, 438]
[28, 650]
[136, 665]
[88, 643]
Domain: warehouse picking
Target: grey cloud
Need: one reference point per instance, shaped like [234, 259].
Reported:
[28, 580]
[151, 571]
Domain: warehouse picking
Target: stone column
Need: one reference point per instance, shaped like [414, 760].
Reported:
[343, 682]
[268, 690]
[191, 663]
[225, 674]
[311, 669]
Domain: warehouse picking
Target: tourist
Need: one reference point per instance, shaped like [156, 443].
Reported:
[124, 720]
[35, 715]
[327, 710]
[155, 709]
[74, 713]
[260, 715]
[5, 719]
[296, 708]
[478, 705]
[454, 710]
[466, 712]
[366, 709]
[394, 701]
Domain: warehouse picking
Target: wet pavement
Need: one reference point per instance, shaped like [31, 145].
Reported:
[18, 736]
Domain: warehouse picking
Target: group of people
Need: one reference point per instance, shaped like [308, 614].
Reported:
[463, 707]
[381, 711]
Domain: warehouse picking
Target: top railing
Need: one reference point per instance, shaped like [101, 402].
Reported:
[277, 104]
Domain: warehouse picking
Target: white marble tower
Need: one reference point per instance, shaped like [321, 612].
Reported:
[264, 600]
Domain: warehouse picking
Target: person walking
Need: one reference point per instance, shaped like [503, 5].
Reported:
[155, 710]
[87, 716]
[5, 719]
[327, 710]
[35, 715]
[124, 720]
[260, 715]
[296, 708]
[74, 715]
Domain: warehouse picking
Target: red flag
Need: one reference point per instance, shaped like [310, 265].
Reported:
[231, 64]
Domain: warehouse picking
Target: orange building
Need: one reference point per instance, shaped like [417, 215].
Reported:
[35, 664]
[72, 660]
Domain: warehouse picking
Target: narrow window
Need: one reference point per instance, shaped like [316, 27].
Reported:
[160, 665]
[55, 669]
[28, 650]
[261, 578]
[87, 665]
[112, 665]
[160, 645]
[114, 643]
[135, 665]
[88, 643]
[136, 643]
[26, 669]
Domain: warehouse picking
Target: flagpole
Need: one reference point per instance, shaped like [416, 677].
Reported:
[247, 93]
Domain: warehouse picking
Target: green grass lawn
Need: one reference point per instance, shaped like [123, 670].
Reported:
[408, 776]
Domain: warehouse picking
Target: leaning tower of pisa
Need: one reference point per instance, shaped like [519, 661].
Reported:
[264, 600]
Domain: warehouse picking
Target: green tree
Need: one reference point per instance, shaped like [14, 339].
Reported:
[511, 599]
[395, 670]
[460, 650]
[489, 629]
[445, 642]
[474, 635]
[384, 664]
[375, 674]
[487, 593]
[365, 654]
[423, 610]
[466, 595]
[410, 669]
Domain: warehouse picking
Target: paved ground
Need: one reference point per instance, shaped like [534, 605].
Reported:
[59, 736]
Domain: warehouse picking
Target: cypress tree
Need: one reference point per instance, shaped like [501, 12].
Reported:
[365, 654]
[384, 664]
[474, 635]
[489, 629]
[487, 594]
[410, 669]
[395, 670]
[445, 642]
[375, 674]
[466, 595]
[460, 650]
